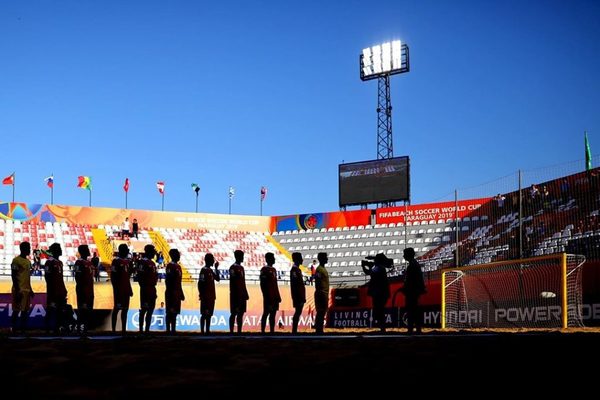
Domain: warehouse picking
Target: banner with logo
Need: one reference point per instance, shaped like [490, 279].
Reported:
[116, 216]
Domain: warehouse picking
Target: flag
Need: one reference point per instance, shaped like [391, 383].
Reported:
[49, 181]
[161, 187]
[263, 193]
[9, 180]
[195, 188]
[231, 192]
[84, 182]
[588, 154]
[126, 185]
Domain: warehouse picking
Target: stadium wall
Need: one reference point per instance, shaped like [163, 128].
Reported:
[188, 320]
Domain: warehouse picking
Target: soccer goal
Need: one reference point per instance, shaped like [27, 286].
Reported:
[539, 292]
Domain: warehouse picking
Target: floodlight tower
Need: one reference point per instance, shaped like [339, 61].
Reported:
[380, 62]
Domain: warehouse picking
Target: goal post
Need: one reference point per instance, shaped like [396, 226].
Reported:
[537, 292]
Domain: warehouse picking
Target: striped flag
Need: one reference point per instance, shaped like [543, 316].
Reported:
[231, 192]
[263, 193]
[49, 181]
[84, 182]
[160, 185]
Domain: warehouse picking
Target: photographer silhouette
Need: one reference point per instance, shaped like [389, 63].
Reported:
[378, 286]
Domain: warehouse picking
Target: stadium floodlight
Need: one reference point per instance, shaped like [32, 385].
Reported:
[380, 62]
[384, 59]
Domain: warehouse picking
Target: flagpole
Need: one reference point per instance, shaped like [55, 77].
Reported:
[14, 182]
[261, 200]
[90, 197]
[196, 201]
[126, 200]
[229, 204]
[162, 207]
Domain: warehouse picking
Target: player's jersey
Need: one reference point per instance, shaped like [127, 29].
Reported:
[237, 283]
[84, 277]
[55, 285]
[173, 281]
[120, 278]
[268, 285]
[147, 277]
[206, 284]
[322, 281]
[21, 273]
[297, 285]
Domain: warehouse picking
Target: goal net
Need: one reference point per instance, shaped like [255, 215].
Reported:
[539, 292]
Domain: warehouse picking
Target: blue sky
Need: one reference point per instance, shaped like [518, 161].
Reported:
[246, 94]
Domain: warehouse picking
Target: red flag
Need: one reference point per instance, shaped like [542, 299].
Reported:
[9, 180]
[161, 187]
[126, 185]
[263, 193]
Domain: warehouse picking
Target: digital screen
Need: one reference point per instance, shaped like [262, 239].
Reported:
[377, 181]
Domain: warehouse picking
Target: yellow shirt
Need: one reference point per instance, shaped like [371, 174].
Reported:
[322, 280]
[21, 273]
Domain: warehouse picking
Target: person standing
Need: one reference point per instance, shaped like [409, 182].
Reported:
[120, 275]
[21, 288]
[147, 275]
[96, 264]
[206, 290]
[321, 292]
[238, 294]
[270, 292]
[173, 292]
[84, 278]
[298, 290]
[125, 229]
[414, 287]
[56, 292]
[135, 228]
[379, 287]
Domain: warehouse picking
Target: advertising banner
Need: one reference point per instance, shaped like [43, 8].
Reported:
[429, 212]
[36, 314]
[146, 218]
[337, 219]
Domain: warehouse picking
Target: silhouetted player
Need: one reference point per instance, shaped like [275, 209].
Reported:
[84, 277]
[206, 288]
[298, 290]
[147, 278]
[56, 292]
[120, 274]
[321, 292]
[21, 288]
[414, 287]
[174, 292]
[379, 287]
[270, 292]
[238, 294]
